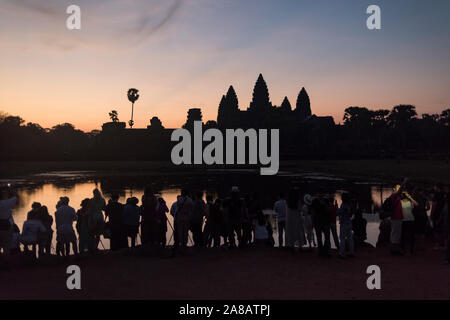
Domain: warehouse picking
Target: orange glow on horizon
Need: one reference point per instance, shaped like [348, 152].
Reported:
[50, 75]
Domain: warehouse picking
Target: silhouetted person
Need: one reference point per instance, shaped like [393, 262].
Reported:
[446, 214]
[114, 212]
[408, 225]
[96, 220]
[235, 209]
[35, 206]
[207, 231]
[65, 216]
[346, 242]
[15, 241]
[385, 233]
[295, 232]
[161, 220]
[395, 206]
[321, 222]
[247, 226]
[263, 231]
[182, 217]
[148, 211]
[47, 236]
[173, 213]
[216, 221]
[82, 225]
[253, 209]
[7, 202]
[307, 218]
[437, 217]
[196, 221]
[280, 208]
[132, 215]
[420, 216]
[359, 226]
[332, 213]
[30, 235]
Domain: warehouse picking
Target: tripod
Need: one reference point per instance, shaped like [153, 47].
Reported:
[173, 232]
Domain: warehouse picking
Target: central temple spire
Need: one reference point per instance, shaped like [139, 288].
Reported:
[261, 101]
[228, 109]
[303, 107]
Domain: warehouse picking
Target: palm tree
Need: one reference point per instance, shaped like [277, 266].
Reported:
[133, 95]
[114, 116]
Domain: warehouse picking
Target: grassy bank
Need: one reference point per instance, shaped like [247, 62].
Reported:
[425, 171]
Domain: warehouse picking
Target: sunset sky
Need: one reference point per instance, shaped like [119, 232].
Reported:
[185, 53]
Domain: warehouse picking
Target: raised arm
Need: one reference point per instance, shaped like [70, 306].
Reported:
[414, 202]
[402, 187]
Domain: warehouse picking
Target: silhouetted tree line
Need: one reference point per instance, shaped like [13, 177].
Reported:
[396, 132]
[20, 141]
[365, 133]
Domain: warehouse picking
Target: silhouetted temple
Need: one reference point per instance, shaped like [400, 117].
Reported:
[261, 113]
[301, 132]
[299, 128]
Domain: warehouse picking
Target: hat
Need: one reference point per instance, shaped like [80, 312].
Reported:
[308, 199]
[234, 189]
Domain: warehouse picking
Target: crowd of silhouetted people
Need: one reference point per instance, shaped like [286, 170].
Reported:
[302, 222]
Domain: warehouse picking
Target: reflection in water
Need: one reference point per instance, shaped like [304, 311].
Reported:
[370, 197]
[49, 194]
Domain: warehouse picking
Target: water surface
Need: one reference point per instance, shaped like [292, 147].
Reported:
[79, 185]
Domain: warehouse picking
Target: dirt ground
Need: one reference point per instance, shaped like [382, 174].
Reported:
[252, 273]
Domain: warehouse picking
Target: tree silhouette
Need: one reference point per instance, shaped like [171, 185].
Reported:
[358, 120]
[3, 115]
[402, 115]
[13, 121]
[444, 118]
[401, 119]
[357, 117]
[35, 128]
[133, 95]
[155, 123]
[428, 128]
[114, 116]
[379, 118]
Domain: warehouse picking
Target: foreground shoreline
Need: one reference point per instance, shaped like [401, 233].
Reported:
[251, 273]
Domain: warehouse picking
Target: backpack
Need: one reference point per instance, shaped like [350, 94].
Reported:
[387, 208]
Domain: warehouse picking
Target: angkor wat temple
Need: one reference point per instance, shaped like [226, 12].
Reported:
[261, 113]
[299, 128]
[301, 132]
